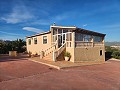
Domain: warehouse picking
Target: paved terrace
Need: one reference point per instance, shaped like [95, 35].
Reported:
[62, 64]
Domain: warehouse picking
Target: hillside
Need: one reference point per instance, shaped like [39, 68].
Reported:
[112, 43]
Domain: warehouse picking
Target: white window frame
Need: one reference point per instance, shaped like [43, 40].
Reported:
[43, 38]
[30, 41]
[34, 40]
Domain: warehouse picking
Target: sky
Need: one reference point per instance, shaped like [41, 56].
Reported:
[21, 18]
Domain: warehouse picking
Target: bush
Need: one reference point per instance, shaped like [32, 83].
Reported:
[116, 54]
[67, 54]
[112, 52]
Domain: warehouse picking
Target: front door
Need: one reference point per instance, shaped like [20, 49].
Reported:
[61, 39]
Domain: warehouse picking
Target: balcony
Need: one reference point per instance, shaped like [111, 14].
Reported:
[88, 44]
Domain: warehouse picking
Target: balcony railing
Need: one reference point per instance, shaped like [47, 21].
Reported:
[88, 44]
[98, 44]
[83, 44]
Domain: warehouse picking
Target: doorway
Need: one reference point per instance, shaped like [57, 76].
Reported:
[61, 39]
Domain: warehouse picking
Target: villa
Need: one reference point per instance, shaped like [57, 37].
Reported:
[83, 45]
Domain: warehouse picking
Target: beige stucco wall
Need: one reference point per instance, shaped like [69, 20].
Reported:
[90, 54]
[36, 48]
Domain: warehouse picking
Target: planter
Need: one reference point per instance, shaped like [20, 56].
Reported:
[67, 58]
[13, 53]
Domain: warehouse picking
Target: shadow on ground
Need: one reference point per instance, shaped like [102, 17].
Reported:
[6, 57]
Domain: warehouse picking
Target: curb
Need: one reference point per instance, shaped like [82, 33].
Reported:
[46, 64]
[113, 59]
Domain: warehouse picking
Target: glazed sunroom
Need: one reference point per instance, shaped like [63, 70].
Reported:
[76, 37]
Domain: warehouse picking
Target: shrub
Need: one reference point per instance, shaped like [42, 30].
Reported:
[116, 54]
[67, 54]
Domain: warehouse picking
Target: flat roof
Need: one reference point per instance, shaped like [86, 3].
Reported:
[71, 28]
[38, 34]
[64, 27]
[84, 31]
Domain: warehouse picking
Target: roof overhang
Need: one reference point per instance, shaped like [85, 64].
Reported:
[84, 31]
[38, 34]
[64, 27]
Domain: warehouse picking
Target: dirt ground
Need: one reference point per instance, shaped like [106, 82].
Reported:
[22, 74]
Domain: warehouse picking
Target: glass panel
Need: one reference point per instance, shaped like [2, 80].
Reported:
[29, 41]
[82, 37]
[59, 40]
[79, 37]
[59, 31]
[64, 31]
[87, 38]
[69, 36]
[35, 40]
[54, 31]
[44, 39]
[63, 38]
[54, 38]
[97, 39]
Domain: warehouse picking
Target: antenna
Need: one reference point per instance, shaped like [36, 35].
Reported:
[54, 24]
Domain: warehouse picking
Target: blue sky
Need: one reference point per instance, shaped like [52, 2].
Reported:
[20, 18]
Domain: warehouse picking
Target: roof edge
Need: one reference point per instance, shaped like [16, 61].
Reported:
[38, 34]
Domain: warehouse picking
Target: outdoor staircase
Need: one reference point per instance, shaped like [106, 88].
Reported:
[53, 54]
[49, 57]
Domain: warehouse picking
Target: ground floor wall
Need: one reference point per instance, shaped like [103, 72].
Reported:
[36, 48]
[90, 54]
[71, 51]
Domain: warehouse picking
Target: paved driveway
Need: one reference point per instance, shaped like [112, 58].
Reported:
[28, 75]
[20, 68]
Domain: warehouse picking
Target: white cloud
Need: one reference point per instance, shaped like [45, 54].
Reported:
[33, 29]
[18, 14]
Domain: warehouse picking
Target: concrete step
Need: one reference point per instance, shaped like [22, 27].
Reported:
[49, 57]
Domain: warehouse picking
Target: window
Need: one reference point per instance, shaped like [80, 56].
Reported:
[54, 38]
[87, 38]
[59, 31]
[54, 31]
[82, 37]
[78, 37]
[100, 52]
[97, 39]
[44, 39]
[64, 31]
[35, 40]
[29, 41]
[69, 37]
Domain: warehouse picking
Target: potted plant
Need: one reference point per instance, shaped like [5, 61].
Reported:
[67, 56]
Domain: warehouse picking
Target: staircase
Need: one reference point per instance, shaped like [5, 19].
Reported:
[49, 57]
[53, 54]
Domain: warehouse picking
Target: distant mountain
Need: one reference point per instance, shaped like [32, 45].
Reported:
[112, 43]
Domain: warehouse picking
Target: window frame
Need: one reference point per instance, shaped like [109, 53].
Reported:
[36, 40]
[101, 52]
[29, 41]
[43, 39]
